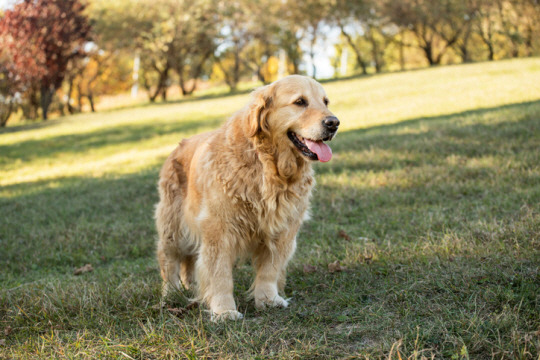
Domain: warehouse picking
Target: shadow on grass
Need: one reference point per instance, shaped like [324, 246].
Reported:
[428, 178]
[78, 143]
[68, 221]
[30, 126]
[472, 133]
[183, 100]
[452, 234]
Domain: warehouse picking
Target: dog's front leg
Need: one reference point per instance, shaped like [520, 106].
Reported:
[215, 281]
[270, 262]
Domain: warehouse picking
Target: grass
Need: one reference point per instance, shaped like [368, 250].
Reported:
[434, 188]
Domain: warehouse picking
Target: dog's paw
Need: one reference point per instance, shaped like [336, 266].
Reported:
[227, 315]
[277, 301]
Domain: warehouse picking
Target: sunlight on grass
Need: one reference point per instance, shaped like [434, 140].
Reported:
[359, 103]
[391, 98]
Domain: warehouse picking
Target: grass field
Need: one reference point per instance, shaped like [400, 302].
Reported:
[431, 202]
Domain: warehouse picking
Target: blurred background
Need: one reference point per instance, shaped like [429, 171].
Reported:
[61, 57]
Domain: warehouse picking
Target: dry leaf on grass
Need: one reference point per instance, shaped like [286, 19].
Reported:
[177, 311]
[2, 342]
[8, 330]
[182, 311]
[336, 267]
[86, 268]
[368, 258]
[344, 235]
[309, 268]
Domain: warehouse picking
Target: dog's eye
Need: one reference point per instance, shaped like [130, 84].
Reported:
[325, 100]
[301, 102]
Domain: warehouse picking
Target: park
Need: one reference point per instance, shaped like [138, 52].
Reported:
[423, 243]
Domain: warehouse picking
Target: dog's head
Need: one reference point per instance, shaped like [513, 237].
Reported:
[294, 110]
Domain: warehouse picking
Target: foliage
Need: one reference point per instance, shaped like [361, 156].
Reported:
[186, 43]
[167, 35]
[42, 37]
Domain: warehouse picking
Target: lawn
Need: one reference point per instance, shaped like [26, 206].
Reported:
[431, 204]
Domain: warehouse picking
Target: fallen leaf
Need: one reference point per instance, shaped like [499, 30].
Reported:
[182, 311]
[86, 268]
[344, 235]
[8, 330]
[336, 267]
[368, 258]
[309, 268]
[2, 342]
[177, 311]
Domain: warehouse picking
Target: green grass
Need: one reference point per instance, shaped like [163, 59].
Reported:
[435, 180]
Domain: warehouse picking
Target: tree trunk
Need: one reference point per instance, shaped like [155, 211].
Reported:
[5, 114]
[47, 93]
[164, 94]
[428, 52]
[295, 65]
[236, 70]
[228, 78]
[181, 82]
[375, 51]
[529, 41]
[70, 108]
[195, 75]
[463, 47]
[90, 97]
[401, 54]
[161, 86]
[359, 58]
[491, 51]
[260, 75]
[79, 98]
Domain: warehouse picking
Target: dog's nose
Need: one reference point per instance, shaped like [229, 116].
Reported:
[331, 123]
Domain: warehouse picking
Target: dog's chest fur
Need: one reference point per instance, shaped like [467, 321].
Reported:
[263, 202]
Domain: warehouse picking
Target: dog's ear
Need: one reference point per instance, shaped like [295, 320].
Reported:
[258, 111]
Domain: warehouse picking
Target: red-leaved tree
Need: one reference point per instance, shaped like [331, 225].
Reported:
[39, 38]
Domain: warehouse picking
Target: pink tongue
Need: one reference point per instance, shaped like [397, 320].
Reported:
[323, 151]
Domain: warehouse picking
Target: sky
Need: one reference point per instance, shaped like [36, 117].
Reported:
[5, 3]
[324, 52]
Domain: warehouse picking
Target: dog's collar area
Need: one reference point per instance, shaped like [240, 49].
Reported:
[302, 146]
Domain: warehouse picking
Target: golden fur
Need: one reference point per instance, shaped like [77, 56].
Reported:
[240, 190]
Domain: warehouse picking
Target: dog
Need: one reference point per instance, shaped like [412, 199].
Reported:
[243, 190]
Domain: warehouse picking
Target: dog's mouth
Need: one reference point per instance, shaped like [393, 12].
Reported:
[312, 149]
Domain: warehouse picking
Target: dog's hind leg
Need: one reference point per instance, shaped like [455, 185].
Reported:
[169, 263]
[187, 269]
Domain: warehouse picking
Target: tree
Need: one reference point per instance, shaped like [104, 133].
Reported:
[350, 17]
[314, 15]
[463, 43]
[237, 21]
[436, 25]
[195, 28]
[487, 25]
[10, 87]
[289, 34]
[45, 35]
[169, 36]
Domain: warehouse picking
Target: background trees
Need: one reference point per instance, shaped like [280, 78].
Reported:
[49, 53]
[41, 37]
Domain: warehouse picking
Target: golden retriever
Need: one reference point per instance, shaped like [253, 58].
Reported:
[243, 190]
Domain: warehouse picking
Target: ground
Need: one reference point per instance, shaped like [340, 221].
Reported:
[430, 204]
